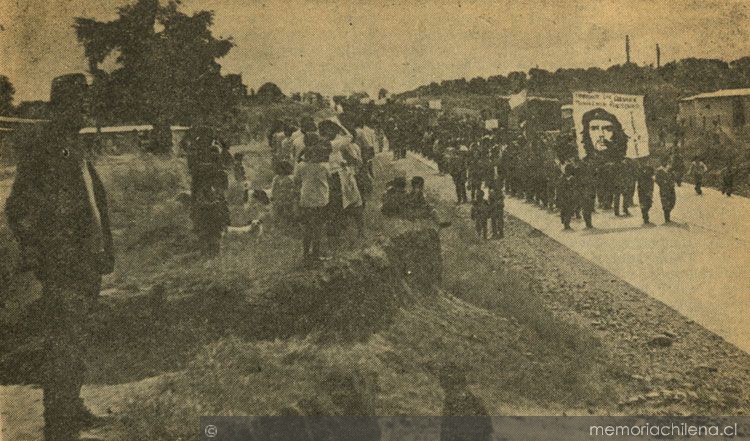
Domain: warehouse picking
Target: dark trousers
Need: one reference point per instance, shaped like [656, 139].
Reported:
[644, 213]
[698, 184]
[460, 182]
[210, 242]
[67, 309]
[668, 199]
[474, 185]
[335, 206]
[313, 222]
[667, 215]
[497, 222]
[587, 208]
[728, 187]
[481, 227]
[566, 215]
[621, 196]
[630, 194]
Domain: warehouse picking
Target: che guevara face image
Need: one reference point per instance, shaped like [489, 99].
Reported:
[603, 134]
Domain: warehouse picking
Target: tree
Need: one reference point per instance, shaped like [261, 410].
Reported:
[269, 93]
[517, 81]
[741, 72]
[382, 93]
[167, 70]
[6, 95]
[478, 85]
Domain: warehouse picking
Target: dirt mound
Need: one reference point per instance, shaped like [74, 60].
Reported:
[354, 297]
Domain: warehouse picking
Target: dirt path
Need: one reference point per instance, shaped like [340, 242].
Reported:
[677, 366]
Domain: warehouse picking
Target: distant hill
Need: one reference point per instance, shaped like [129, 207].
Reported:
[663, 86]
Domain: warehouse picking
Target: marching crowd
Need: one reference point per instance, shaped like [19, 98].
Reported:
[546, 169]
[324, 172]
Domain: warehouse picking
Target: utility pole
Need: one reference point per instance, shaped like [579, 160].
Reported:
[658, 56]
[627, 49]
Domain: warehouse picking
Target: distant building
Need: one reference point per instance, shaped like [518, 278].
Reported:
[725, 110]
[120, 139]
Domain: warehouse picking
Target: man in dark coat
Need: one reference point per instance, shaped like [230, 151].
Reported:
[645, 190]
[567, 194]
[57, 211]
[666, 180]
[457, 169]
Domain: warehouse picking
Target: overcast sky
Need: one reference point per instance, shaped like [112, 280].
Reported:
[341, 46]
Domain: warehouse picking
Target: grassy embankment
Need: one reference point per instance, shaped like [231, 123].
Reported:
[202, 327]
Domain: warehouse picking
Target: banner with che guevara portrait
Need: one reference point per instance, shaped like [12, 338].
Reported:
[610, 124]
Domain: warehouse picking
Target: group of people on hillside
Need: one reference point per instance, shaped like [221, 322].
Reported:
[323, 178]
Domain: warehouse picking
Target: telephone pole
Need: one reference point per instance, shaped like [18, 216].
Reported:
[627, 49]
[658, 56]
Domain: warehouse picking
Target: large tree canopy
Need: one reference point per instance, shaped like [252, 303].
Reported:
[166, 64]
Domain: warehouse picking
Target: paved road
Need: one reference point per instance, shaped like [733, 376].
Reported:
[700, 265]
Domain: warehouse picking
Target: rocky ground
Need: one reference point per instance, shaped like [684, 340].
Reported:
[675, 366]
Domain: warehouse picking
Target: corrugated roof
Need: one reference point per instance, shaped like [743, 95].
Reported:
[125, 129]
[719, 94]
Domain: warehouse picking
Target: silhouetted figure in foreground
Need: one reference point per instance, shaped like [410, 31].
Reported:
[464, 416]
[57, 211]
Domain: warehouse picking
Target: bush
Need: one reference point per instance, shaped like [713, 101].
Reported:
[258, 118]
[135, 187]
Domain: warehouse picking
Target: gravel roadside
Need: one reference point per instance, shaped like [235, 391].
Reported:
[675, 366]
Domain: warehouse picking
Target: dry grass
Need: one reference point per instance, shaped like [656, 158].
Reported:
[202, 328]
